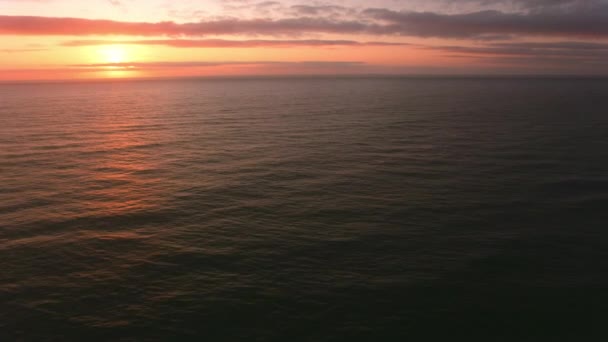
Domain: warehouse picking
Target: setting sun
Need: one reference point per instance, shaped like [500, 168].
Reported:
[113, 54]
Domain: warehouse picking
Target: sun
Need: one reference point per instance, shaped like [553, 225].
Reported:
[114, 60]
[113, 54]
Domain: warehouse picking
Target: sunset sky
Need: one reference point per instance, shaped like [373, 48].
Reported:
[66, 39]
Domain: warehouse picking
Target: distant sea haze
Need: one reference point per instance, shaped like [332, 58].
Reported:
[305, 209]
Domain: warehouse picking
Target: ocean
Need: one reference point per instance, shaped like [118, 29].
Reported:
[304, 209]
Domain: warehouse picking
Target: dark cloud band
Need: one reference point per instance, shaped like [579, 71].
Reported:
[590, 20]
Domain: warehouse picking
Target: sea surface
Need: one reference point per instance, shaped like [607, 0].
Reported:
[305, 209]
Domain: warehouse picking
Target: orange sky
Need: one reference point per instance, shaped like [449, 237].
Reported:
[68, 39]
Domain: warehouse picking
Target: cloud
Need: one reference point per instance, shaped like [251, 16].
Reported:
[199, 64]
[222, 43]
[578, 21]
[29, 25]
[583, 57]
[320, 10]
[535, 4]
[539, 49]
[491, 22]
[21, 50]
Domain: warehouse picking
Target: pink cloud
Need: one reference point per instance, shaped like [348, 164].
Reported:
[222, 43]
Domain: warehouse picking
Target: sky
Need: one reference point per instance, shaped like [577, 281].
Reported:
[76, 39]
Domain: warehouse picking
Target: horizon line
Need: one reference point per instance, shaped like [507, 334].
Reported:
[305, 76]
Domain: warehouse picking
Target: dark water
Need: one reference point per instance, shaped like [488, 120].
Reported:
[304, 210]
